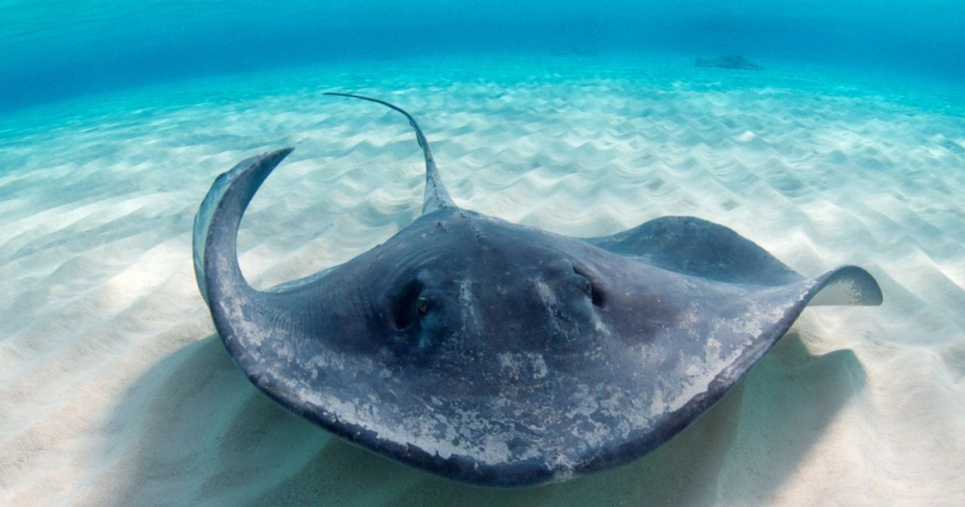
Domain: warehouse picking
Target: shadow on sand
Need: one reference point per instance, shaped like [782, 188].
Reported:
[199, 433]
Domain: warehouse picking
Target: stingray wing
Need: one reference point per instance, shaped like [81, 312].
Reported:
[264, 331]
[696, 247]
[699, 248]
[255, 326]
[216, 223]
[703, 356]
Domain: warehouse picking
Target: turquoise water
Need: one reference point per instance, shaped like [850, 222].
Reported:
[115, 118]
[58, 49]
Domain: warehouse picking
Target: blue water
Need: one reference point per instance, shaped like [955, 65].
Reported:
[581, 118]
[58, 49]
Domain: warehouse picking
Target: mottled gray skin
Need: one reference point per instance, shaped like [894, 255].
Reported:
[728, 62]
[497, 354]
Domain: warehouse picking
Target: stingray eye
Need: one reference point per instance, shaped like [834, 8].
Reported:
[592, 287]
[422, 306]
[407, 304]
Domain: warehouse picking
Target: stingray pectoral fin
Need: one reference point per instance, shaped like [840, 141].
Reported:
[844, 286]
[847, 286]
[262, 330]
[696, 247]
[217, 221]
[246, 319]
[774, 309]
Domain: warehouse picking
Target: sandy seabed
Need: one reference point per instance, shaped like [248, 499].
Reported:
[115, 389]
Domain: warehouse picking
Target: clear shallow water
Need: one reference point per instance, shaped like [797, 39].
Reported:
[111, 365]
[56, 49]
[113, 388]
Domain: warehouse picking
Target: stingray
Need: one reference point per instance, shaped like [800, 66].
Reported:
[499, 354]
[728, 62]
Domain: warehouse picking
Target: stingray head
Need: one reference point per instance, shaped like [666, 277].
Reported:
[465, 287]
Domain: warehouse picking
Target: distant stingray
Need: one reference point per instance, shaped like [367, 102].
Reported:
[498, 354]
[728, 62]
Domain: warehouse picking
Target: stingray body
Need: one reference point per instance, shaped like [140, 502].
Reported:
[497, 354]
[736, 62]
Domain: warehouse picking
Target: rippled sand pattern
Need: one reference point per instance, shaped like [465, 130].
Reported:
[114, 388]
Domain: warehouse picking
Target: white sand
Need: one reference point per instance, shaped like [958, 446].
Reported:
[115, 390]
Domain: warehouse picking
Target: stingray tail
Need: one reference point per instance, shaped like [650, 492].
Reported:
[216, 224]
[436, 196]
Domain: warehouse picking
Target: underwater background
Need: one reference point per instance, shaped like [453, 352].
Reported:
[59, 49]
[581, 118]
